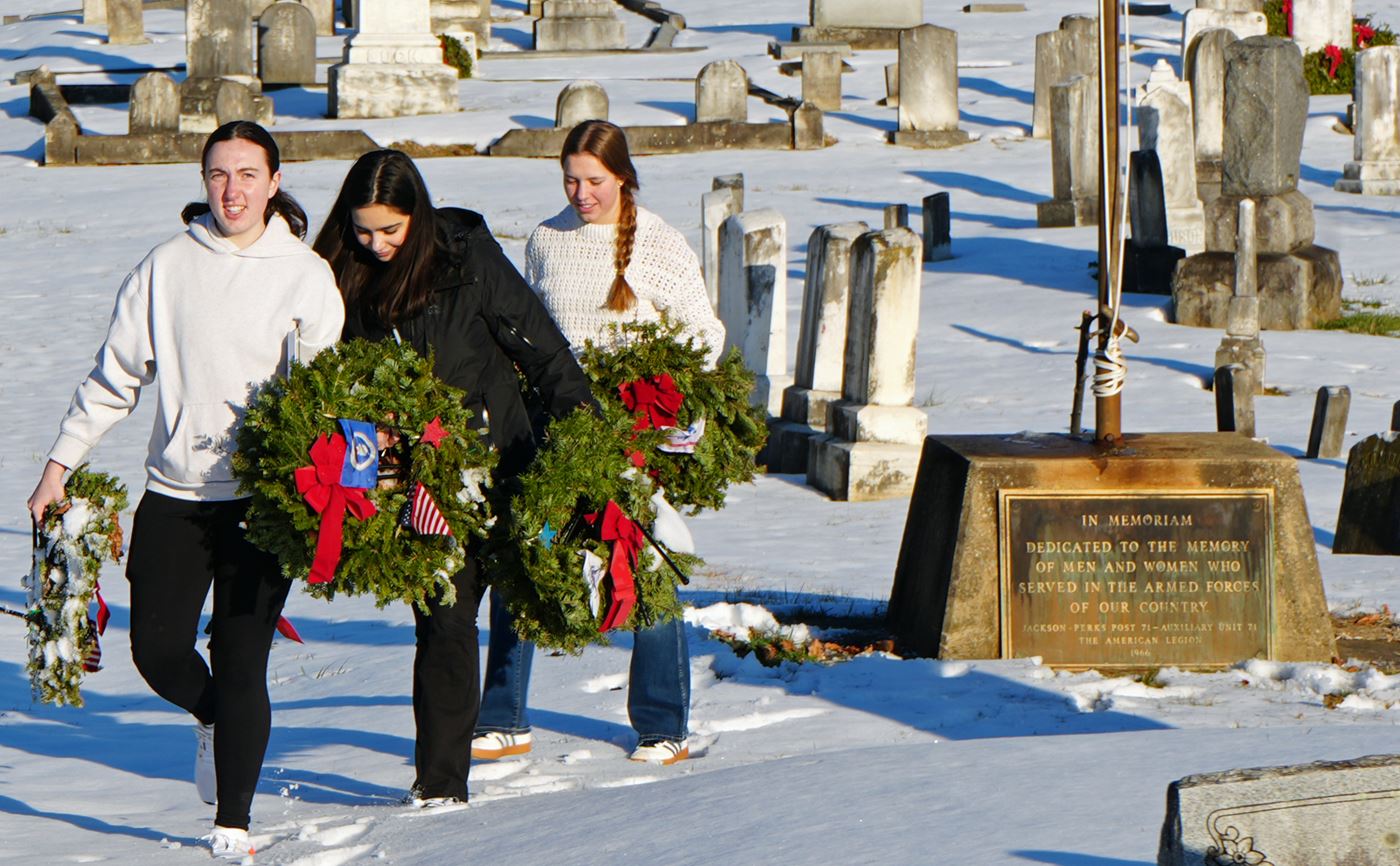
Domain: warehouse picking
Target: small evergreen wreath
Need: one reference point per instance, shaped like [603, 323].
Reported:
[74, 539]
[390, 386]
[538, 548]
[734, 431]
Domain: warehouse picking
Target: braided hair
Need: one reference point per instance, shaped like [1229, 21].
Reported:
[607, 143]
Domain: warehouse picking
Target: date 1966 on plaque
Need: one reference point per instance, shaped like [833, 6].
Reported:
[1134, 579]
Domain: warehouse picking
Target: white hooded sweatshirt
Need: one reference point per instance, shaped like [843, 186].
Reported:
[207, 322]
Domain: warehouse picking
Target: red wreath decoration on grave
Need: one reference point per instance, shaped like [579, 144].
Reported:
[655, 400]
[320, 484]
[1333, 54]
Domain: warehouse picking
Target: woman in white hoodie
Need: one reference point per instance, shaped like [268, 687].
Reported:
[206, 317]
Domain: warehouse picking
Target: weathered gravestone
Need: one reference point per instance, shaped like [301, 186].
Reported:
[323, 11]
[1165, 127]
[94, 11]
[871, 447]
[928, 89]
[1319, 23]
[821, 79]
[1197, 21]
[580, 101]
[579, 25]
[753, 299]
[233, 101]
[1369, 518]
[1149, 258]
[287, 44]
[456, 16]
[821, 345]
[1266, 108]
[1060, 55]
[1074, 155]
[722, 93]
[808, 128]
[1205, 72]
[1329, 424]
[1375, 165]
[154, 106]
[1234, 400]
[938, 227]
[392, 66]
[1326, 812]
[218, 39]
[1241, 348]
[724, 200]
[860, 23]
[896, 216]
[125, 22]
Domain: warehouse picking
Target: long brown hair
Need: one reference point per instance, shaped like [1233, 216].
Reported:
[607, 143]
[281, 202]
[390, 291]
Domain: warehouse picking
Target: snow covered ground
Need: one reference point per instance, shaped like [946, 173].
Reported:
[878, 760]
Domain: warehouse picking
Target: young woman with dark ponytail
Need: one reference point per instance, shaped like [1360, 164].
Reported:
[206, 317]
[436, 279]
[601, 261]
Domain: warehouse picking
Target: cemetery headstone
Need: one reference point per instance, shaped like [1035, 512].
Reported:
[125, 22]
[808, 129]
[579, 25]
[716, 206]
[821, 79]
[892, 85]
[287, 44]
[864, 25]
[722, 93]
[1323, 812]
[1234, 401]
[1205, 73]
[1369, 518]
[1059, 55]
[218, 39]
[1149, 258]
[323, 11]
[1266, 105]
[1165, 127]
[938, 227]
[753, 299]
[1319, 23]
[1197, 21]
[580, 101]
[94, 12]
[458, 16]
[1074, 154]
[392, 66]
[233, 101]
[928, 88]
[735, 184]
[896, 216]
[1241, 346]
[821, 345]
[1375, 165]
[1329, 424]
[155, 105]
[874, 432]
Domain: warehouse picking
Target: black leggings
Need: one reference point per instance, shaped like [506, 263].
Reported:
[446, 688]
[178, 548]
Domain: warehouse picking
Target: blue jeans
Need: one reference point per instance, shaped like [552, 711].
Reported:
[658, 693]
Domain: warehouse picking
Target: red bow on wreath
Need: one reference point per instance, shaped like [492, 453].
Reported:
[655, 400]
[1333, 54]
[320, 484]
[627, 540]
[92, 662]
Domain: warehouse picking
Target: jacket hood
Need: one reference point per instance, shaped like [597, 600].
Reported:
[276, 241]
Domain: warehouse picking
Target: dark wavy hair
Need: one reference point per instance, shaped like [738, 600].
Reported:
[607, 143]
[281, 202]
[398, 289]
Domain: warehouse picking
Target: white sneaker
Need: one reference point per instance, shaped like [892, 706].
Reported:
[205, 782]
[494, 744]
[430, 804]
[230, 843]
[659, 751]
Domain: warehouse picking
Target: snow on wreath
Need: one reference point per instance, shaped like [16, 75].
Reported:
[364, 474]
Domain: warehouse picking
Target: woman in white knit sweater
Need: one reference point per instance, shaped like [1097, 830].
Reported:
[601, 261]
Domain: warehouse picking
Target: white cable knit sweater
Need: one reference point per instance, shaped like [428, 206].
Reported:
[570, 264]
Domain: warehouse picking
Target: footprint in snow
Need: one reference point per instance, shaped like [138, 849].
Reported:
[335, 857]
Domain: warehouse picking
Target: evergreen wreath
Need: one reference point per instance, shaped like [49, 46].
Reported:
[72, 542]
[1332, 68]
[390, 386]
[734, 429]
[537, 548]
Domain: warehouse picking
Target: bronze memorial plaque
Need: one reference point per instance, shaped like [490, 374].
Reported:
[1141, 579]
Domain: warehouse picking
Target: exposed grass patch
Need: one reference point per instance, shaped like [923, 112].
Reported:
[1375, 324]
[1364, 279]
[421, 151]
[772, 648]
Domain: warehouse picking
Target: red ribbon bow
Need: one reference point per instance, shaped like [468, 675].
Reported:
[320, 484]
[627, 539]
[1334, 54]
[1364, 34]
[655, 399]
[1288, 17]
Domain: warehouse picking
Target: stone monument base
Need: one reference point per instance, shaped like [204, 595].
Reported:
[1058, 212]
[1370, 178]
[579, 34]
[861, 471]
[199, 95]
[1297, 290]
[952, 585]
[788, 448]
[859, 38]
[929, 139]
[1149, 269]
[391, 89]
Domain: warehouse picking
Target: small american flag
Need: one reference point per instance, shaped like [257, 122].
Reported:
[423, 516]
[92, 662]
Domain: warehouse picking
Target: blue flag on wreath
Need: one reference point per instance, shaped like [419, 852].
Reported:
[361, 467]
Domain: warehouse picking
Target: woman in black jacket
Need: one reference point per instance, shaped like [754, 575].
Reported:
[437, 280]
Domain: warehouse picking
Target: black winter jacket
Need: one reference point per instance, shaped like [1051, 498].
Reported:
[482, 321]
